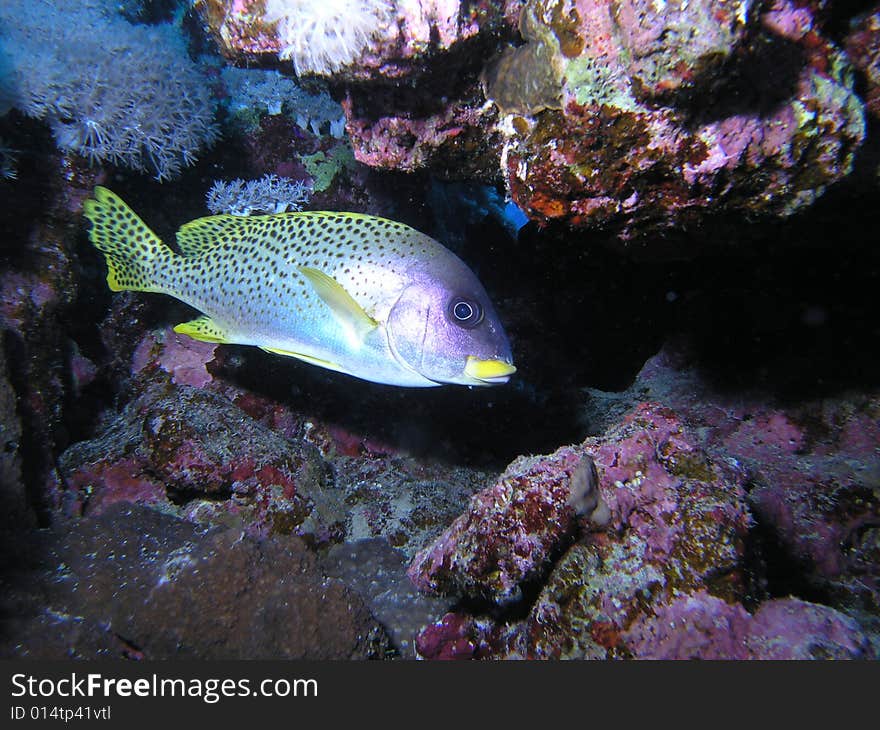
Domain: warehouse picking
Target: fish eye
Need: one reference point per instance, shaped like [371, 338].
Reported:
[465, 312]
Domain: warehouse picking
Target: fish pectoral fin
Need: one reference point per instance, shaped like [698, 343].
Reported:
[306, 358]
[349, 313]
[203, 328]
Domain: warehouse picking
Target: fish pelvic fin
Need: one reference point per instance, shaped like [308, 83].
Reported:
[135, 255]
[203, 328]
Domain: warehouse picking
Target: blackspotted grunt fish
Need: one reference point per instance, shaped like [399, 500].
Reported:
[353, 293]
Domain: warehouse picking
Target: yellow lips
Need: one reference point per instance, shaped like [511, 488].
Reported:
[489, 371]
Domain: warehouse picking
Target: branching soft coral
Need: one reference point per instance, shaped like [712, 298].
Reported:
[110, 90]
[323, 36]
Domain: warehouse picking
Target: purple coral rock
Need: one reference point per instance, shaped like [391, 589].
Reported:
[863, 47]
[510, 529]
[662, 488]
[674, 44]
[811, 465]
[621, 162]
[674, 518]
[700, 626]
[697, 626]
[793, 629]
[184, 358]
[675, 522]
[391, 37]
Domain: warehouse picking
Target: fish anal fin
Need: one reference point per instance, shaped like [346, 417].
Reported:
[305, 358]
[202, 328]
[346, 310]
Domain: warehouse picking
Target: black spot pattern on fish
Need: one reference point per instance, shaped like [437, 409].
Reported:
[244, 272]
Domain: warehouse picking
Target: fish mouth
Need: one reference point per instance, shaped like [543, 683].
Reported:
[489, 372]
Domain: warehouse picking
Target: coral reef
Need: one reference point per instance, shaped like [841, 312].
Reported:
[682, 517]
[685, 465]
[612, 114]
[673, 556]
[660, 518]
[812, 468]
[187, 446]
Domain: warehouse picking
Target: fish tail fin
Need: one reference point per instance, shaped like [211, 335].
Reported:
[136, 257]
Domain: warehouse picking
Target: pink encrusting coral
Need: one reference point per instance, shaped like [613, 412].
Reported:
[863, 47]
[510, 529]
[614, 114]
[664, 512]
[673, 118]
[700, 626]
[182, 357]
[359, 40]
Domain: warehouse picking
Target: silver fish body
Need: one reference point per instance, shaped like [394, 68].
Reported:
[353, 293]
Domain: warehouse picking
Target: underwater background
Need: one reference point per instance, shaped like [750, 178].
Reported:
[673, 208]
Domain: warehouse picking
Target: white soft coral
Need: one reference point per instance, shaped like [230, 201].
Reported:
[322, 36]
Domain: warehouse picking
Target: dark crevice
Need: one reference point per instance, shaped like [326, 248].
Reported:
[181, 497]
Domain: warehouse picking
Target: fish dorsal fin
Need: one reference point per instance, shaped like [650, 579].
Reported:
[202, 328]
[204, 234]
[347, 311]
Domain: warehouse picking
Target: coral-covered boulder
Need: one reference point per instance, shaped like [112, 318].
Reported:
[666, 115]
[863, 47]
[671, 520]
[511, 529]
[700, 626]
[353, 39]
[133, 582]
[194, 450]
[812, 466]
